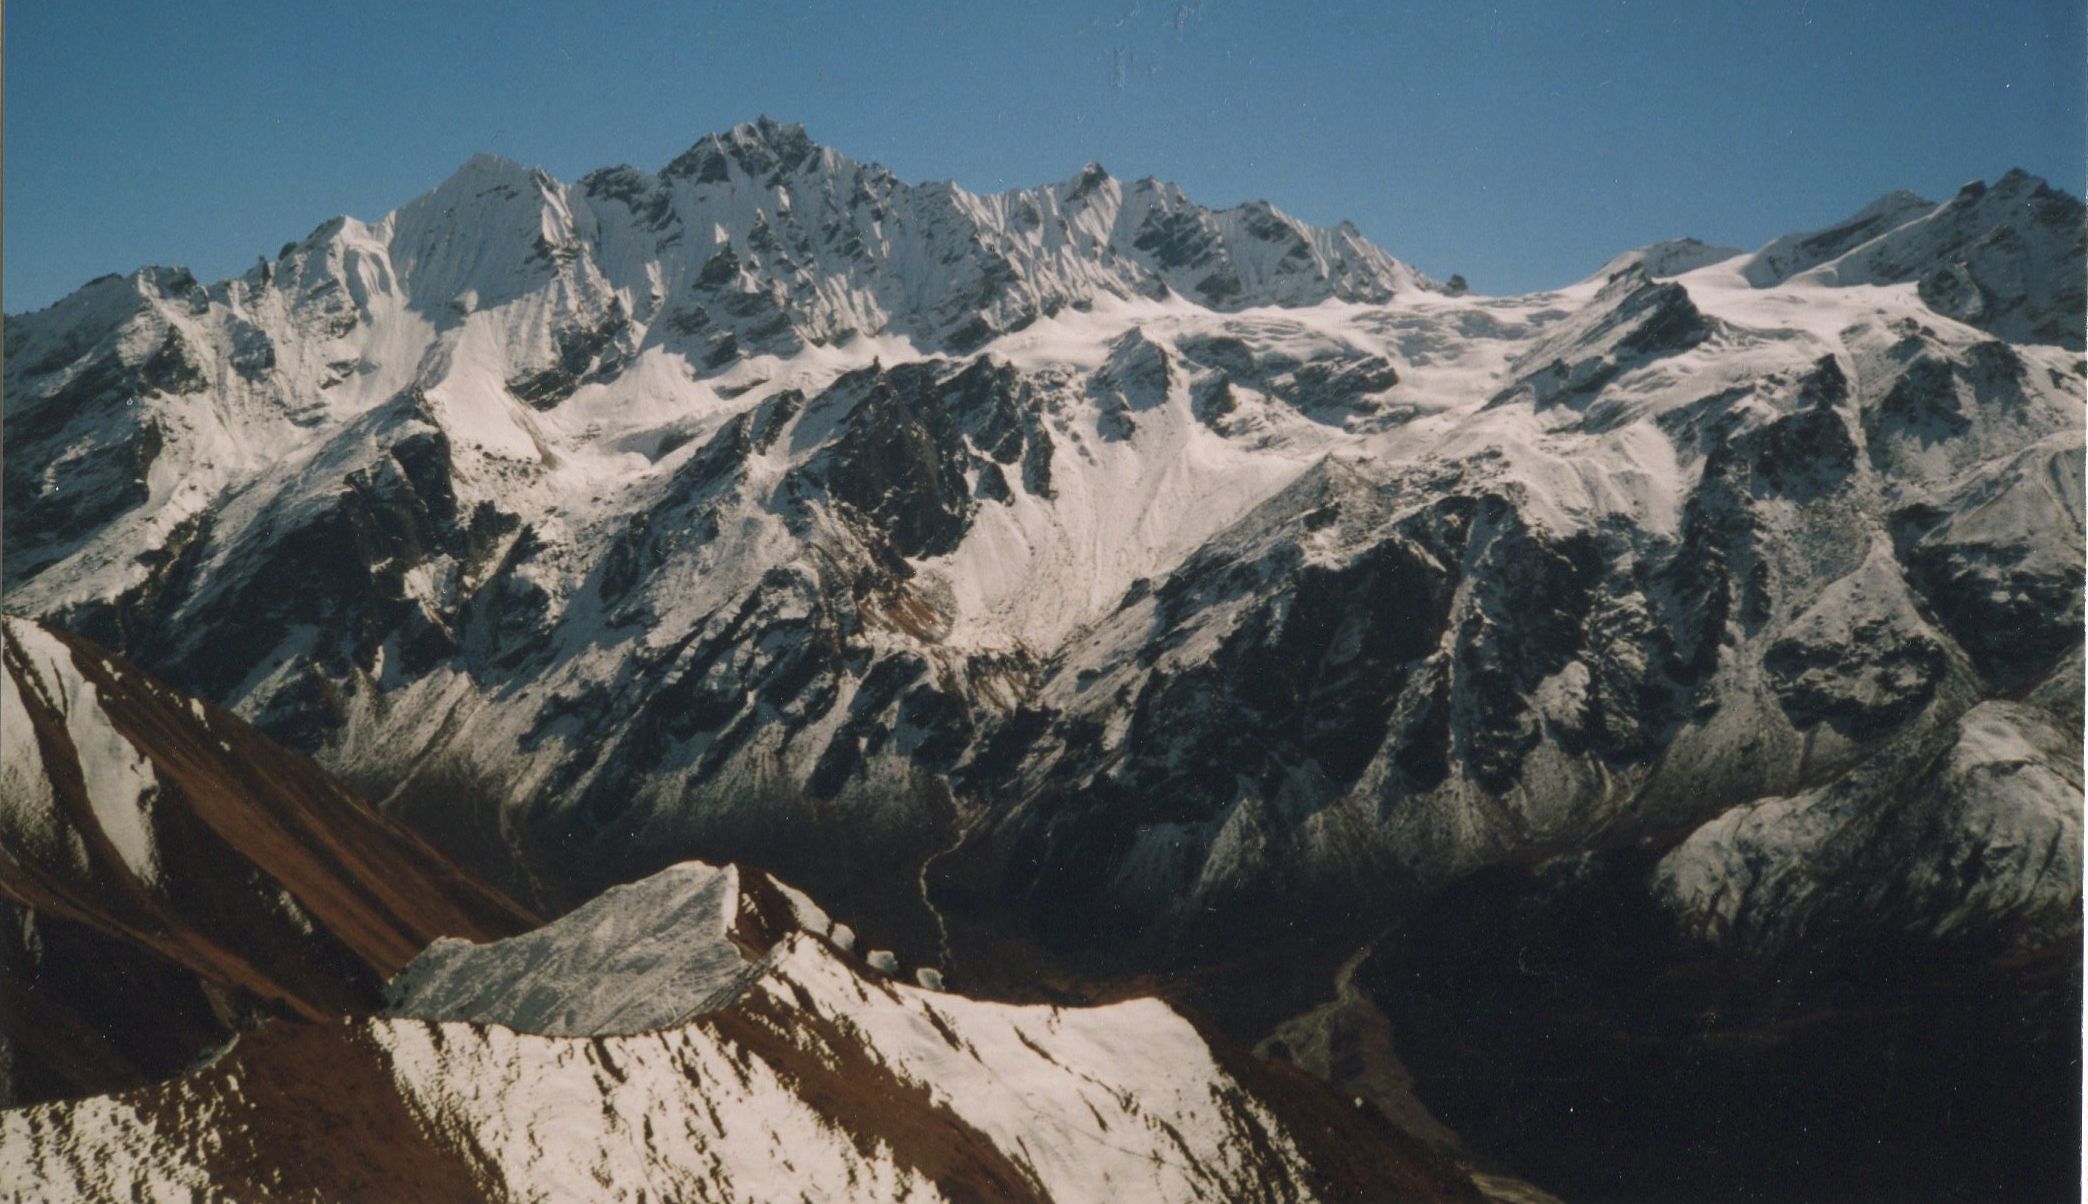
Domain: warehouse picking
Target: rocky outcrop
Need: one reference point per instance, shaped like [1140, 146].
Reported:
[1631, 320]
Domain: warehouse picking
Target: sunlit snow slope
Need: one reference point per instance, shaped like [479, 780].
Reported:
[714, 1048]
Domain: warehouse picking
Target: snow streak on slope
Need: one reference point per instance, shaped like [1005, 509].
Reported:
[117, 779]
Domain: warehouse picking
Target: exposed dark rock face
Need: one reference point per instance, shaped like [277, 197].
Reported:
[1327, 389]
[921, 449]
[1137, 376]
[81, 411]
[352, 569]
[171, 368]
[901, 466]
[635, 190]
[586, 355]
[2014, 621]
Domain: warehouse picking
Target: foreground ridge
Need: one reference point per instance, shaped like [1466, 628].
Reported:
[668, 1038]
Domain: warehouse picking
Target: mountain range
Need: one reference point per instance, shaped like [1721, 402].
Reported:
[1082, 590]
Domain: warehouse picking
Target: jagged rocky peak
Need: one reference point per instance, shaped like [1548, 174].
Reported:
[1670, 257]
[1794, 253]
[1090, 177]
[762, 148]
[757, 240]
[2005, 258]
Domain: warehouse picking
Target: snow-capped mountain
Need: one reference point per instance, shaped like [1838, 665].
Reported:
[1146, 581]
[1998, 259]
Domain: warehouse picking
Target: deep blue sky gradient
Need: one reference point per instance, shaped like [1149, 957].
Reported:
[1521, 144]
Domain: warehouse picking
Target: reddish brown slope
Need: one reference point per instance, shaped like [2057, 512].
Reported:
[169, 874]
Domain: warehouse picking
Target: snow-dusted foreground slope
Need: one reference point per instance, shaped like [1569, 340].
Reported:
[704, 1033]
[781, 1068]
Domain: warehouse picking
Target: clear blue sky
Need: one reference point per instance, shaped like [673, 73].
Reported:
[1520, 144]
